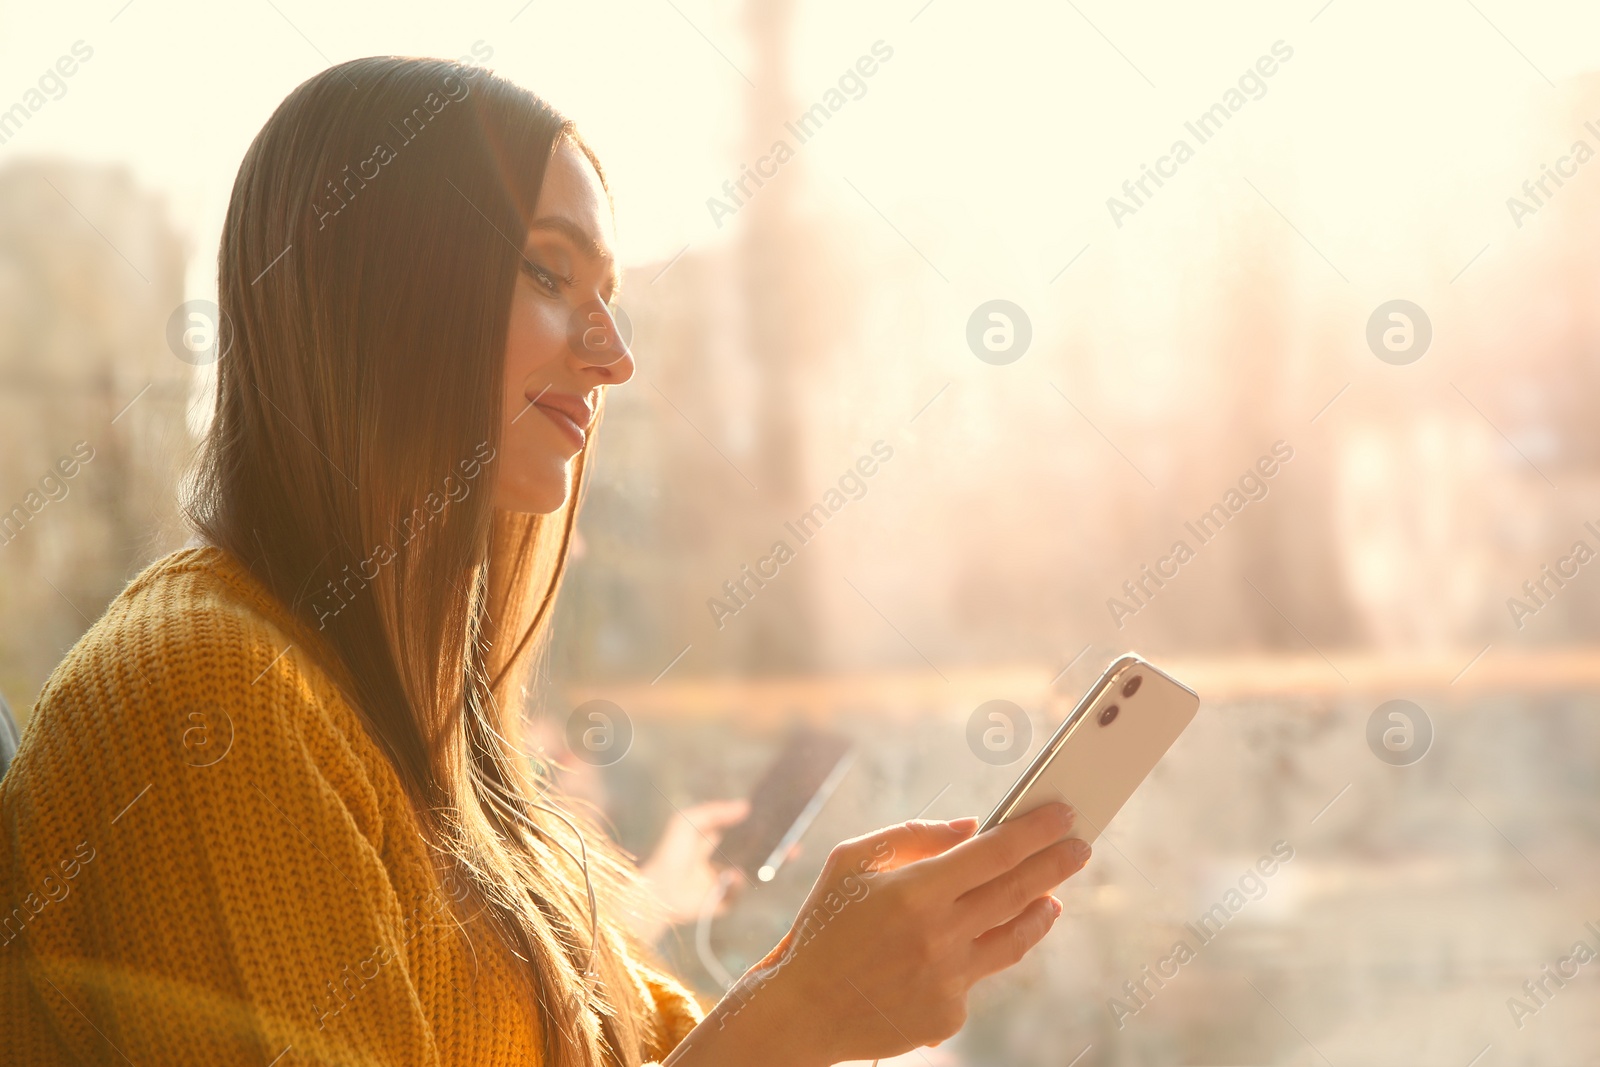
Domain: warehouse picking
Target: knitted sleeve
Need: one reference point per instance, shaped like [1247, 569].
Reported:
[202, 856]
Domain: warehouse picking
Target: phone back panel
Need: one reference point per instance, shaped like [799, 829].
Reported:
[1098, 764]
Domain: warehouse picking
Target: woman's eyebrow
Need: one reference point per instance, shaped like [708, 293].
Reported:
[581, 238]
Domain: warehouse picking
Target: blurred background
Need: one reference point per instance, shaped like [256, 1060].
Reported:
[1160, 343]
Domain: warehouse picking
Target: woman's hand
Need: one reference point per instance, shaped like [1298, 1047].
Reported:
[900, 925]
[679, 871]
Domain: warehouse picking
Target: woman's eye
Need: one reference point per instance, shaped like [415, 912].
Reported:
[543, 278]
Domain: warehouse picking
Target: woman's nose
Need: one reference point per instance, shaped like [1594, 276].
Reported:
[598, 341]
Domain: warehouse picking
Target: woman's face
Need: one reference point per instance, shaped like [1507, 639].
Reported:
[562, 345]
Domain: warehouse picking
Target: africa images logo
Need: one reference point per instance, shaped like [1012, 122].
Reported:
[1202, 128]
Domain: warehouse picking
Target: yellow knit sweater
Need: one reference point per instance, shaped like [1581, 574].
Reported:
[205, 860]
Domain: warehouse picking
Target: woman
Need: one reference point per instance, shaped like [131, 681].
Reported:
[267, 810]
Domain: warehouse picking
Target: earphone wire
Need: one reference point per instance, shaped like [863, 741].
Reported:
[492, 790]
[702, 930]
[582, 860]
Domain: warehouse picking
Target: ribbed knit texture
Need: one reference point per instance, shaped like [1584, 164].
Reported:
[205, 860]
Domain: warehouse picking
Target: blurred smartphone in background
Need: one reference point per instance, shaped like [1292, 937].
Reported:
[785, 801]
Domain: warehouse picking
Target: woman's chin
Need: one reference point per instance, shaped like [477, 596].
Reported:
[532, 496]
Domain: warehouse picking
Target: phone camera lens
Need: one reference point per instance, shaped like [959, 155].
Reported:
[1132, 685]
[1107, 715]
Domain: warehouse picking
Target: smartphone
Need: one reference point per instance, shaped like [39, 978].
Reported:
[785, 801]
[1108, 745]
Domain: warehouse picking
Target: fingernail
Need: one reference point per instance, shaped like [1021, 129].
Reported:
[968, 823]
[1080, 849]
[1055, 906]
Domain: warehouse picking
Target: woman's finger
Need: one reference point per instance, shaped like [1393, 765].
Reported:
[993, 852]
[896, 846]
[717, 814]
[1009, 942]
[1001, 899]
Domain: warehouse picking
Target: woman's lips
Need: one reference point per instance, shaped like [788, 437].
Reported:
[559, 410]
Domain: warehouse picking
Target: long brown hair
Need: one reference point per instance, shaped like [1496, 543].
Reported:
[372, 242]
